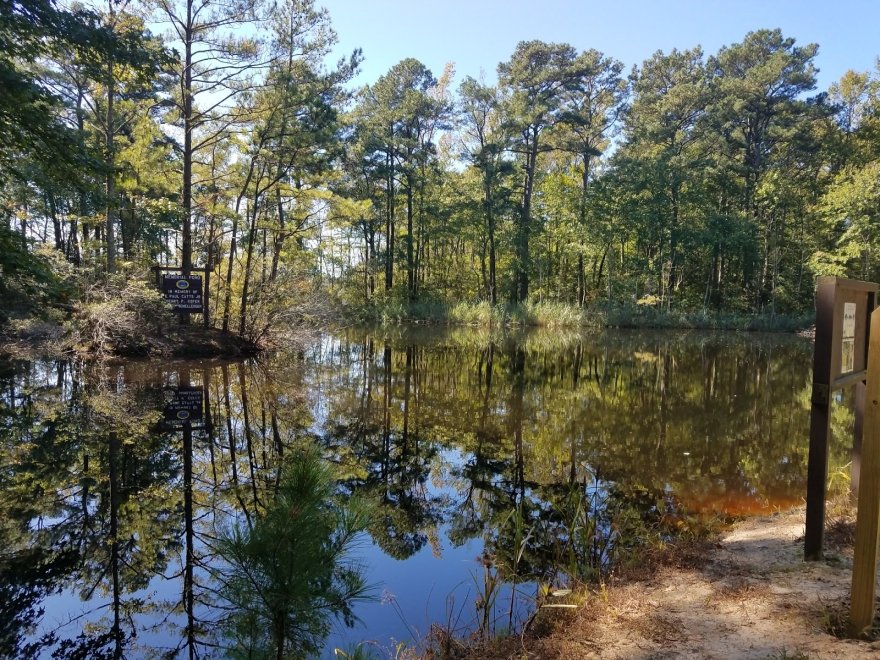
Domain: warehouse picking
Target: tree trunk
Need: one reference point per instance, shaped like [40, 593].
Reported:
[389, 223]
[673, 245]
[227, 298]
[278, 243]
[73, 244]
[110, 181]
[490, 225]
[366, 260]
[371, 259]
[209, 266]
[581, 281]
[484, 277]
[56, 222]
[186, 196]
[521, 283]
[242, 315]
[410, 257]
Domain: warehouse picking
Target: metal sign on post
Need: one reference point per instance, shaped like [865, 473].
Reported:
[184, 405]
[183, 292]
[843, 311]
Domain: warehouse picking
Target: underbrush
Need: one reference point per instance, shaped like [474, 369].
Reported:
[120, 315]
[635, 316]
[124, 315]
[583, 607]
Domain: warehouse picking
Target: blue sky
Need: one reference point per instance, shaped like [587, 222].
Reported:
[477, 34]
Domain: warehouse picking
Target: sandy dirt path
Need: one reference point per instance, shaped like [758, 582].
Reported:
[754, 597]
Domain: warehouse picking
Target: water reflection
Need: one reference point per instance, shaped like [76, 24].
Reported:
[504, 461]
[717, 421]
[128, 533]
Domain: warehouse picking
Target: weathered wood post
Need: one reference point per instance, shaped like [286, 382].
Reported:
[843, 310]
[820, 420]
[868, 517]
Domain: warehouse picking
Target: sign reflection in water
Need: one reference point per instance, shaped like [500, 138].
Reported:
[479, 456]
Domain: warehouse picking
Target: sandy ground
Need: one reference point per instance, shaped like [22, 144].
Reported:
[754, 597]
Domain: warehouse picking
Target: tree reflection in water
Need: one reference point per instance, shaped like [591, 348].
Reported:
[543, 453]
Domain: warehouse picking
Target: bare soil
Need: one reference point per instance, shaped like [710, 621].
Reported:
[751, 596]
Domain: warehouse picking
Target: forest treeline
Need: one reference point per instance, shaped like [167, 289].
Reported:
[222, 135]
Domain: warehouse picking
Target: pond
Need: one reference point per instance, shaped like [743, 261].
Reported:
[390, 481]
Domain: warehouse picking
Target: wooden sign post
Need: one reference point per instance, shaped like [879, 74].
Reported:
[843, 310]
[868, 517]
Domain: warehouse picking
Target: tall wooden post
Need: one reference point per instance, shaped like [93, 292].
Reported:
[868, 517]
[206, 321]
[820, 420]
[843, 318]
[855, 469]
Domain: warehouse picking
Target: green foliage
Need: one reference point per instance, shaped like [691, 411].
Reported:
[27, 280]
[850, 209]
[732, 184]
[565, 315]
[29, 126]
[287, 575]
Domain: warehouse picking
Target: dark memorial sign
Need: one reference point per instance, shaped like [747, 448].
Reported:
[183, 292]
[184, 405]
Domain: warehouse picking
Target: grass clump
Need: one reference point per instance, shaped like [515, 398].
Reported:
[639, 316]
[395, 310]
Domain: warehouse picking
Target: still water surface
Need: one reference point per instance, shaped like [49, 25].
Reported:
[490, 465]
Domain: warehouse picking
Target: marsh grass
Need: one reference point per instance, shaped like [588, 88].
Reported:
[597, 535]
[548, 314]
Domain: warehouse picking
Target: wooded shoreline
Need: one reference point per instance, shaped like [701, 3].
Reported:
[698, 190]
[166, 337]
